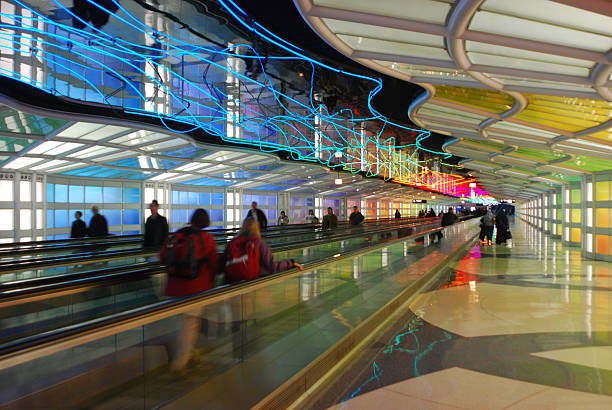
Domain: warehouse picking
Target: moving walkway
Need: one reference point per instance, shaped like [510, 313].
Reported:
[126, 351]
[34, 305]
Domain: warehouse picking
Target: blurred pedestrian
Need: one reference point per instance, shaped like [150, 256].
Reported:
[97, 224]
[258, 215]
[190, 255]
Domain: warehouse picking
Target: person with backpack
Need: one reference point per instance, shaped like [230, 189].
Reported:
[487, 222]
[247, 256]
[190, 257]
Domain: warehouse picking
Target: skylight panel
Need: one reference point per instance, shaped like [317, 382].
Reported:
[48, 164]
[22, 162]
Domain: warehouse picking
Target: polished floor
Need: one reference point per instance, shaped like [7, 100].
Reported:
[526, 325]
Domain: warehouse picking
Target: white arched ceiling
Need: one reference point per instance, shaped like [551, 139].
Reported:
[33, 141]
[523, 86]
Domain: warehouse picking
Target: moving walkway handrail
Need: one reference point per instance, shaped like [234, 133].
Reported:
[55, 282]
[110, 240]
[49, 260]
[64, 260]
[49, 342]
[39, 245]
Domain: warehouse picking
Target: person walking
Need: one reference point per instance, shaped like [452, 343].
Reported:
[487, 223]
[283, 219]
[356, 218]
[431, 213]
[397, 214]
[78, 229]
[502, 225]
[190, 255]
[156, 228]
[330, 221]
[97, 224]
[258, 215]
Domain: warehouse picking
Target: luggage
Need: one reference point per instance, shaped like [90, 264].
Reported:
[181, 252]
[242, 259]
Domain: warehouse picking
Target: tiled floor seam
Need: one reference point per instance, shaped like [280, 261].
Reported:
[423, 399]
[544, 388]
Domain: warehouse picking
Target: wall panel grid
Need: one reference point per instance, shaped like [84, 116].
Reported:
[119, 201]
[299, 205]
[557, 211]
[185, 199]
[572, 218]
[598, 244]
[37, 207]
[21, 205]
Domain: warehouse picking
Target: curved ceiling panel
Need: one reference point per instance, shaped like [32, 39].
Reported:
[524, 90]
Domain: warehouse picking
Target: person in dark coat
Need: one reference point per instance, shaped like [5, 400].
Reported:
[79, 229]
[355, 218]
[156, 228]
[397, 214]
[97, 225]
[430, 214]
[502, 225]
[449, 218]
[258, 215]
[330, 221]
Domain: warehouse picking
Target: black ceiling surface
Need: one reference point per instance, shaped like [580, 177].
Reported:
[283, 18]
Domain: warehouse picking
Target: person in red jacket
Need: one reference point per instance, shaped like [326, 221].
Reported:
[250, 229]
[189, 327]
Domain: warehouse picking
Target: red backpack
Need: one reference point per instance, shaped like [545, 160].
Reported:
[242, 259]
[180, 254]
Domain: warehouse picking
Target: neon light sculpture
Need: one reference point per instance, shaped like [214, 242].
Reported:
[203, 86]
